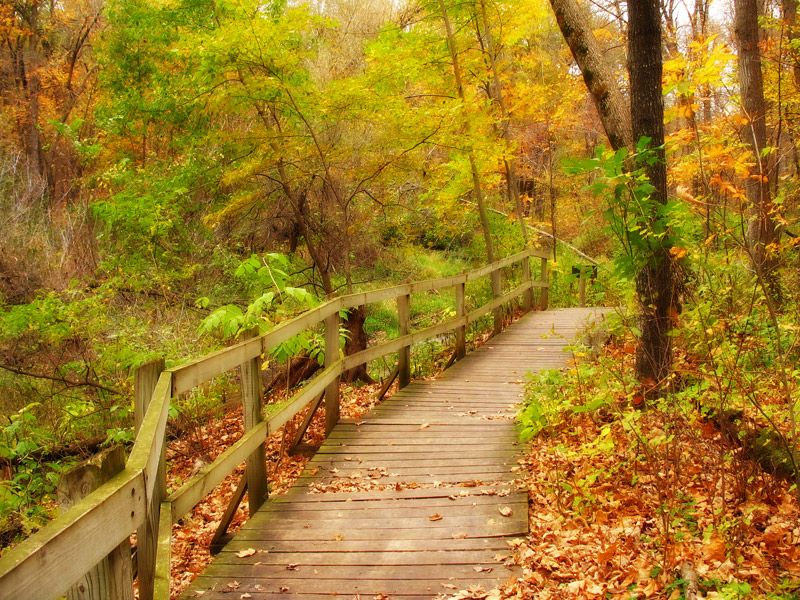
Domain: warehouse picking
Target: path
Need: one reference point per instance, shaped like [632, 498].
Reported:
[416, 499]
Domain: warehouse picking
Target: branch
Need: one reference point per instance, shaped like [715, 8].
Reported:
[542, 232]
[70, 382]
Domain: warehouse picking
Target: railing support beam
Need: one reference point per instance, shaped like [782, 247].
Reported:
[331, 356]
[252, 410]
[403, 328]
[144, 384]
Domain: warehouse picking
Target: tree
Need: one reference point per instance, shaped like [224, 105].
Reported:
[656, 282]
[599, 79]
[761, 227]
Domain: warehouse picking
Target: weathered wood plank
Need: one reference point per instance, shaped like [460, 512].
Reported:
[46, 564]
[429, 440]
[397, 558]
[161, 588]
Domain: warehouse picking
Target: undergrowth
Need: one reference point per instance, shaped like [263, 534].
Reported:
[631, 493]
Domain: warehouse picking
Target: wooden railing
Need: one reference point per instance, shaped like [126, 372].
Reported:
[61, 554]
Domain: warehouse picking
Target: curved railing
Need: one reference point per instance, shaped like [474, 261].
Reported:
[61, 554]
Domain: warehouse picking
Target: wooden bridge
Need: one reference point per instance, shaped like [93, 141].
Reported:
[417, 499]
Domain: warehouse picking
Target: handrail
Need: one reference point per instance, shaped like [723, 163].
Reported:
[47, 563]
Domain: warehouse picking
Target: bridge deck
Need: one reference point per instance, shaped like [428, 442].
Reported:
[416, 499]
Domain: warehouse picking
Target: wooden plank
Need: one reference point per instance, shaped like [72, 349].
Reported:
[404, 353]
[252, 415]
[112, 577]
[147, 449]
[496, 303]
[46, 564]
[388, 510]
[332, 358]
[303, 535]
[365, 588]
[161, 588]
[264, 573]
[419, 557]
[497, 265]
[527, 296]
[146, 380]
[359, 503]
[543, 298]
[461, 330]
[377, 546]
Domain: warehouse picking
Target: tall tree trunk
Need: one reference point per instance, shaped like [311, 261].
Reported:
[496, 93]
[476, 178]
[656, 283]
[789, 8]
[761, 227]
[597, 74]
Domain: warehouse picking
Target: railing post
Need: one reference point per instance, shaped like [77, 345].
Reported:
[543, 299]
[331, 356]
[144, 383]
[404, 327]
[582, 289]
[497, 291]
[527, 297]
[461, 330]
[111, 578]
[252, 412]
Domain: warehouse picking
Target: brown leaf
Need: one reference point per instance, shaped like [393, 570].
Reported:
[233, 585]
[246, 553]
[424, 426]
[506, 511]
[714, 548]
[435, 517]
[482, 569]
[448, 586]
[460, 536]
[292, 567]
[606, 555]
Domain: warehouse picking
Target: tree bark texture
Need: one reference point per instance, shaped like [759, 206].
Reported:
[761, 227]
[656, 283]
[597, 74]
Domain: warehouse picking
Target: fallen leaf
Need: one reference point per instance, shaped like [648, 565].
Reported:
[243, 596]
[482, 569]
[448, 586]
[233, 585]
[424, 426]
[606, 555]
[460, 536]
[293, 567]
[435, 517]
[246, 553]
[506, 511]
[338, 537]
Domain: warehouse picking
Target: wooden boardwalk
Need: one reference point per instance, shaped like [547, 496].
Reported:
[416, 499]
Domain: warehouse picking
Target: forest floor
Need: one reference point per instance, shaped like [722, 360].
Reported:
[682, 514]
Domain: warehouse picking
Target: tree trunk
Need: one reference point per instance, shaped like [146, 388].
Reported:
[496, 94]
[597, 74]
[656, 283]
[789, 8]
[476, 178]
[356, 342]
[761, 227]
